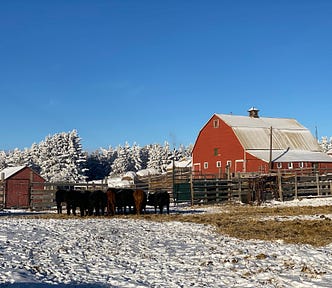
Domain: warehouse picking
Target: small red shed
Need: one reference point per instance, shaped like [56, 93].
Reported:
[231, 144]
[17, 183]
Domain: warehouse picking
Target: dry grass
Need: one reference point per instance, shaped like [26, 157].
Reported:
[246, 222]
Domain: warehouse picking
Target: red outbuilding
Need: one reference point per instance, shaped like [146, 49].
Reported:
[17, 186]
[230, 144]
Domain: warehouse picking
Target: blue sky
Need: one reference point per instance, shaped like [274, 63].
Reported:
[154, 71]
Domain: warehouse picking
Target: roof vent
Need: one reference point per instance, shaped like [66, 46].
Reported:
[253, 112]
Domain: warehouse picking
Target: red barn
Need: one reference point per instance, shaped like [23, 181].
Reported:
[17, 183]
[230, 143]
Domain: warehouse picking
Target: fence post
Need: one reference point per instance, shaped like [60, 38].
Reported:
[280, 186]
[295, 185]
[317, 181]
[191, 190]
[240, 188]
[217, 189]
[2, 189]
[205, 190]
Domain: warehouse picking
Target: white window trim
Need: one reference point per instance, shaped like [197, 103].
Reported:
[218, 164]
[206, 165]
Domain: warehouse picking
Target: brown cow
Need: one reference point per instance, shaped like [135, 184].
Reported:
[140, 199]
[110, 193]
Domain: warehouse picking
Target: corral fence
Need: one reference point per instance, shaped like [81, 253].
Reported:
[42, 195]
[187, 187]
[256, 187]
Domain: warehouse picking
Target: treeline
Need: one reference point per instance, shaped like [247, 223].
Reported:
[60, 157]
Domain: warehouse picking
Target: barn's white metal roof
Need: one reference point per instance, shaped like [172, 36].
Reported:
[291, 156]
[9, 171]
[254, 133]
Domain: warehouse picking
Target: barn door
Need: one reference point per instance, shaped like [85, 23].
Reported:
[17, 194]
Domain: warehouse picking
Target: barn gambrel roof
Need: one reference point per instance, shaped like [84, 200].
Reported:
[291, 141]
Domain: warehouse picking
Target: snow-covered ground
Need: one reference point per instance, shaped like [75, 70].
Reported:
[114, 252]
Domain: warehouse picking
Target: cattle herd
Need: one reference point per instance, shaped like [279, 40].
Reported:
[110, 202]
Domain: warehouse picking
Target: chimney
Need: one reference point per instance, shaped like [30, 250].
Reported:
[253, 112]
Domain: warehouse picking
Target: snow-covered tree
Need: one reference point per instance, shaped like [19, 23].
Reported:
[159, 156]
[124, 161]
[136, 157]
[325, 143]
[15, 158]
[3, 159]
[62, 158]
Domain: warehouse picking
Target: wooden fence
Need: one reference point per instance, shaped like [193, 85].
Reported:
[261, 188]
[42, 195]
[185, 187]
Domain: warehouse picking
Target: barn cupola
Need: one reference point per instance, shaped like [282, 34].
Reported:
[253, 112]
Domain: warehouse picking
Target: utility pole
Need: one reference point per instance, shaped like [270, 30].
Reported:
[271, 147]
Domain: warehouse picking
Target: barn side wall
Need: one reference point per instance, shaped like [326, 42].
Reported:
[17, 188]
[217, 142]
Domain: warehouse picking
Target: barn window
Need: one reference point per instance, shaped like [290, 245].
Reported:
[301, 165]
[215, 123]
[216, 151]
[218, 164]
[229, 163]
[206, 165]
[279, 165]
[290, 165]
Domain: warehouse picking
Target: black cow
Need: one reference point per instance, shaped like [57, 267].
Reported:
[83, 201]
[98, 203]
[124, 198]
[73, 199]
[159, 199]
[59, 199]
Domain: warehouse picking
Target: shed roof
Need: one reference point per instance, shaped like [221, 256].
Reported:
[10, 171]
[287, 133]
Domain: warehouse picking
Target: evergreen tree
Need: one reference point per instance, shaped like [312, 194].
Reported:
[144, 156]
[15, 158]
[124, 161]
[3, 160]
[136, 157]
[325, 143]
[62, 158]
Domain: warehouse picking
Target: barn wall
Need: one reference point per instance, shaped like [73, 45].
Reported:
[18, 188]
[254, 164]
[219, 137]
[17, 193]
